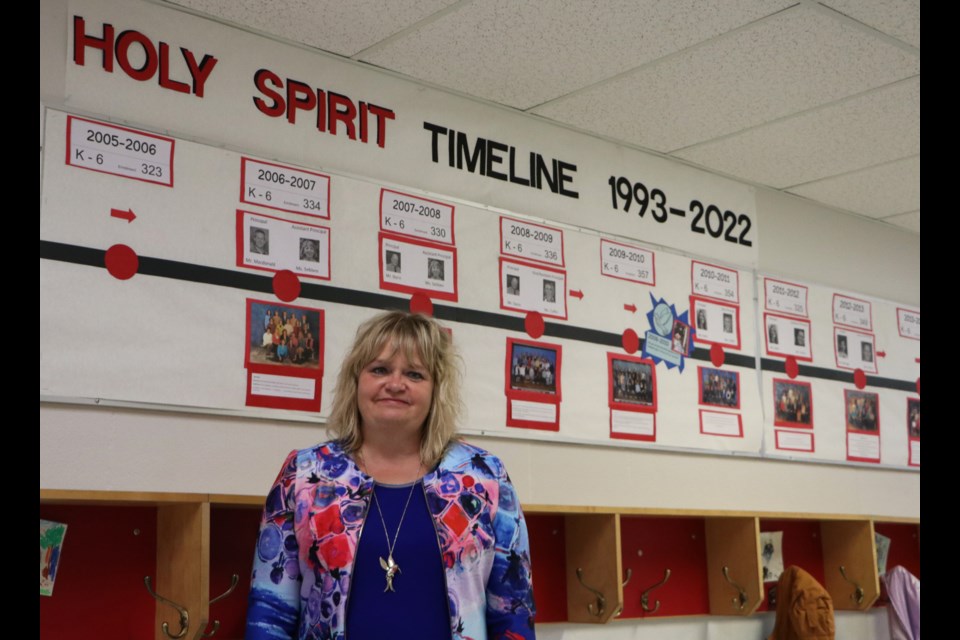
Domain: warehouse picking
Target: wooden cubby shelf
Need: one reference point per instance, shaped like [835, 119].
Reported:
[192, 544]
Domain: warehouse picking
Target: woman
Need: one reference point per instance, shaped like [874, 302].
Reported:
[445, 551]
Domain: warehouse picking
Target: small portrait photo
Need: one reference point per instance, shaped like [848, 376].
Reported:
[728, 323]
[800, 337]
[681, 337]
[259, 240]
[842, 345]
[435, 268]
[549, 291]
[633, 382]
[862, 411]
[513, 285]
[773, 334]
[913, 417]
[284, 335]
[866, 352]
[309, 250]
[701, 319]
[793, 404]
[533, 368]
[393, 261]
[719, 387]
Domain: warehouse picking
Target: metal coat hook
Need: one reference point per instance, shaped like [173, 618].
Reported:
[645, 597]
[601, 605]
[184, 614]
[741, 600]
[234, 580]
[857, 595]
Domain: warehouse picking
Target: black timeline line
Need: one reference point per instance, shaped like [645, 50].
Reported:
[188, 272]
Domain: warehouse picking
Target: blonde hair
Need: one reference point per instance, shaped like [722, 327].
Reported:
[417, 337]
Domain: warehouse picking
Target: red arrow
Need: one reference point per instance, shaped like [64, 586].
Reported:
[881, 354]
[576, 294]
[632, 308]
[127, 215]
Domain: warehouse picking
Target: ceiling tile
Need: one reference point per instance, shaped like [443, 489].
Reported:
[898, 18]
[344, 28]
[794, 61]
[909, 221]
[875, 127]
[524, 53]
[877, 192]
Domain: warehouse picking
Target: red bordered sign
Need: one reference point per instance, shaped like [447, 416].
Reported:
[721, 423]
[531, 242]
[119, 151]
[284, 355]
[785, 297]
[274, 244]
[626, 262]
[532, 374]
[410, 265]
[716, 282]
[417, 217]
[285, 188]
[715, 322]
[794, 440]
[530, 287]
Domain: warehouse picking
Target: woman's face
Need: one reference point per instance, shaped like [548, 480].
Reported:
[309, 252]
[394, 393]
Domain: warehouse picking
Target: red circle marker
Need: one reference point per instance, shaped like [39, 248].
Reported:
[630, 341]
[791, 367]
[859, 378]
[468, 481]
[286, 285]
[717, 355]
[121, 261]
[421, 303]
[918, 386]
[533, 324]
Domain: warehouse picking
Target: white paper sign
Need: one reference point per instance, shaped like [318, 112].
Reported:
[271, 243]
[852, 312]
[719, 423]
[715, 282]
[855, 350]
[533, 411]
[418, 266]
[281, 187]
[715, 323]
[915, 452]
[120, 151]
[526, 287]
[626, 262]
[417, 217]
[531, 241]
[864, 446]
[265, 384]
[794, 440]
[635, 423]
[908, 323]
[787, 336]
[785, 297]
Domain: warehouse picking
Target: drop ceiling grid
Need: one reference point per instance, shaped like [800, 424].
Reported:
[878, 192]
[343, 28]
[797, 60]
[898, 18]
[866, 130]
[522, 54]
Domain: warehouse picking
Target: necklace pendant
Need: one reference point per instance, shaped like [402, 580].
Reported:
[392, 569]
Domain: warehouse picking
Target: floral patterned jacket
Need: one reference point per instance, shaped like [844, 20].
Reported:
[311, 526]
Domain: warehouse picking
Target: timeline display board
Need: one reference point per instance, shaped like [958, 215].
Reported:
[214, 239]
[841, 379]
